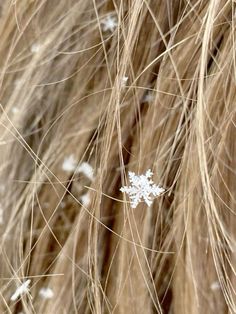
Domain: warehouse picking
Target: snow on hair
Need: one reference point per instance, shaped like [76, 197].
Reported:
[93, 94]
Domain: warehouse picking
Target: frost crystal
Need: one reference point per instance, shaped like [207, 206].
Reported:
[148, 97]
[87, 170]
[124, 81]
[85, 199]
[109, 23]
[15, 110]
[215, 285]
[35, 47]
[69, 164]
[46, 293]
[141, 188]
[24, 288]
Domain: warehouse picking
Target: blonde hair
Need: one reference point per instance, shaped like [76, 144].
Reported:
[117, 86]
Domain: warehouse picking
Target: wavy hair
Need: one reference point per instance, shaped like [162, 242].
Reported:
[91, 90]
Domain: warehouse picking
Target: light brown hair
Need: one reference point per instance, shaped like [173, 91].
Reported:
[118, 86]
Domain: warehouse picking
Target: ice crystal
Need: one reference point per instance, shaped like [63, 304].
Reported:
[85, 199]
[15, 110]
[46, 293]
[63, 204]
[124, 81]
[87, 170]
[23, 288]
[142, 187]
[109, 23]
[35, 47]
[148, 97]
[69, 164]
[215, 285]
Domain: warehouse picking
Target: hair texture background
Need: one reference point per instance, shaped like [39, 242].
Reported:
[62, 94]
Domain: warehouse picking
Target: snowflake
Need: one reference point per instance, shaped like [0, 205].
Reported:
[35, 47]
[109, 23]
[23, 288]
[15, 110]
[85, 199]
[124, 81]
[148, 97]
[46, 293]
[215, 285]
[69, 164]
[141, 187]
[86, 169]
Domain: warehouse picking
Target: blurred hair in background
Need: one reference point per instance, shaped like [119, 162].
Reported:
[91, 90]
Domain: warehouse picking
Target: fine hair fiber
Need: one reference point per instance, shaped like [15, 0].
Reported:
[91, 92]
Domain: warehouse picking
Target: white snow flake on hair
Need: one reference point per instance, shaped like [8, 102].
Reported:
[141, 188]
[24, 288]
[109, 23]
[35, 47]
[46, 293]
[124, 81]
[148, 97]
[86, 169]
[15, 110]
[85, 199]
[69, 164]
[63, 204]
[215, 285]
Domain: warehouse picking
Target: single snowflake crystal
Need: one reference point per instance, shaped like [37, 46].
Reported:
[46, 293]
[85, 199]
[69, 163]
[142, 187]
[148, 97]
[109, 23]
[87, 170]
[22, 289]
[124, 81]
[35, 47]
[215, 285]
[15, 110]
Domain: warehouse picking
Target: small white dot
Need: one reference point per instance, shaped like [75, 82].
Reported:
[35, 48]
[63, 204]
[215, 285]
[124, 81]
[109, 23]
[86, 169]
[69, 164]
[46, 293]
[15, 110]
[148, 97]
[85, 199]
